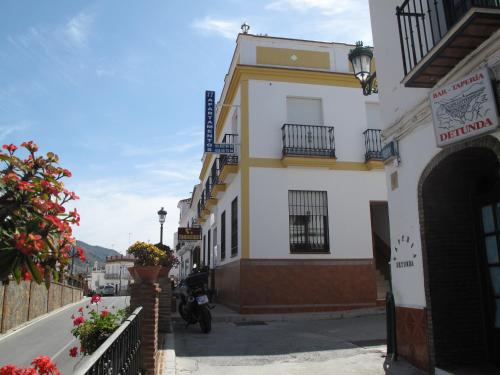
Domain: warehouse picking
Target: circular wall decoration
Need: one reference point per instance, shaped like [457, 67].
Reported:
[404, 253]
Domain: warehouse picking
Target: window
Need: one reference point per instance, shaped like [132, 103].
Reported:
[304, 111]
[234, 227]
[208, 248]
[308, 221]
[223, 236]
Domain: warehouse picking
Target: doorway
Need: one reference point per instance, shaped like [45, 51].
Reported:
[459, 201]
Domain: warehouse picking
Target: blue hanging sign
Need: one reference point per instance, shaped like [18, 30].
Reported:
[209, 120]
[210, 146]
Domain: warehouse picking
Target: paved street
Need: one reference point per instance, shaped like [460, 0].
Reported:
[344, 346]
[50, 336]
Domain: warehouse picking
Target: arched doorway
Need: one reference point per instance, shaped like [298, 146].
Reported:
[459, 196]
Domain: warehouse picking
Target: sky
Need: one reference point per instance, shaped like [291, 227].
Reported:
[116, 89]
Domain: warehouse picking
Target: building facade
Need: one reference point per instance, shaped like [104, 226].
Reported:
[115, 273]
[296, 218]
[435, 64]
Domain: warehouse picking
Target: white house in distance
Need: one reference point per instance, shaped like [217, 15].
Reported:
[115, 273]
[435, 64]
[296, 218]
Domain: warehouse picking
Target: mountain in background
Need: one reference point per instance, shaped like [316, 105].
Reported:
[92, 254]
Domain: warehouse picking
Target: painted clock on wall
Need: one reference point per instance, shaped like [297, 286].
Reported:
[404, 253]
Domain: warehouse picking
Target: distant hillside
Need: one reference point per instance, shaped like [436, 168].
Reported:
[92, 254]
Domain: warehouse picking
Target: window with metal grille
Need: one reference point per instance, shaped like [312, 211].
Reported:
[223, 236]
[234, 227]
[308, 221]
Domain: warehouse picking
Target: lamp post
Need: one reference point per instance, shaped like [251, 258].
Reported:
[161, 216]
[361, 60]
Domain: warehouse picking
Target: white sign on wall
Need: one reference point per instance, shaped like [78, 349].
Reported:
[464, 109]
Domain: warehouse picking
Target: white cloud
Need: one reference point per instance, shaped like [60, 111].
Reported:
[6, 130]
[110, 211]
[225, 28]
[77, 29]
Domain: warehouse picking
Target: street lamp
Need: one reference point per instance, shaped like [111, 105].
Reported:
[161, 216]
[361, 60]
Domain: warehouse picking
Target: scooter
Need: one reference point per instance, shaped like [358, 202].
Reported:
[194, 304]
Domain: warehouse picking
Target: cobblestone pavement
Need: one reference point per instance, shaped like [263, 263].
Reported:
[343, 346]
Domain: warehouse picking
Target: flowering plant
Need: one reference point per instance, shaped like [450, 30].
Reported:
[42, 365]
[169, 259]
[145, 254]
[35, 228]
[94, 330]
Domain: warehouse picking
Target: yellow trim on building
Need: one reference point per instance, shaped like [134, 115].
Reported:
[293, 57]
[227, 170]
[302, 161]
[218, 188]
[210, 202]
[313, 162]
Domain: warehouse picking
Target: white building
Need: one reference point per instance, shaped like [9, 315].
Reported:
[188, 252]
[296, 218]
[115, 273]
[444, 201]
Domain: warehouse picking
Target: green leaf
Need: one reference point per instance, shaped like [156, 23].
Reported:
[33, 270]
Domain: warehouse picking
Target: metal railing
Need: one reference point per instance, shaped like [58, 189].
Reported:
[116, 276]
[215, 171]
[308, 140]
[373, 144]
[233, 158]
[423, 23]
[120, 353]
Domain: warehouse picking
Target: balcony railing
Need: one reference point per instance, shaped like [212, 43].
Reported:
[120, 353]
[424, 23]
[231, 159]
[215, 171]
[373, 145]
[308, 140]
[116, 276]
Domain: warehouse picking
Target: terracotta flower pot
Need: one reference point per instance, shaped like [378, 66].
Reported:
[145, 274]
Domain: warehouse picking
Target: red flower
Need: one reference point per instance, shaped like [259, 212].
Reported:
[45, 366]
[78, 320]
[26, 276]
[105, 313]
[11, 148]
[95, 298]
[8, 370]
[73, 352]
[30, 146]
[81, 253]
[80, 309]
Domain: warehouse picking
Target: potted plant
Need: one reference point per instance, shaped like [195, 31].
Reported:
[147, 262]
[168, 261]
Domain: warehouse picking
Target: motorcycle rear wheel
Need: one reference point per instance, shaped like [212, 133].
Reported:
[205, 319]
[188, 318]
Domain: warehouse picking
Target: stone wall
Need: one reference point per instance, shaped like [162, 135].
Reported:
[27, 300]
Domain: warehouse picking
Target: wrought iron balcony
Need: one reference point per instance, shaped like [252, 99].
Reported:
[373, 145]
[308, 140]
[233, 158]
[215, 171]
[435, 35]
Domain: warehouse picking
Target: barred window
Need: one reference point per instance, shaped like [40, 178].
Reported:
[308, 221]
[223, 235]
[234, 227]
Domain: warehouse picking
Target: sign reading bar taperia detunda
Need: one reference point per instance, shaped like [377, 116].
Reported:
[188, 234]
[464, 109]
[210, 145]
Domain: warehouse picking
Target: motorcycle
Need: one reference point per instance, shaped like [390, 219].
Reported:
[194, 303]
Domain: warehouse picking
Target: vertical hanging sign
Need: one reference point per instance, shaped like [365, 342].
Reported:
[209, 120]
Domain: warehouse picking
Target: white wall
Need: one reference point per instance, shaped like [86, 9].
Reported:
[396, 99]
[349, 196]
[343, 108]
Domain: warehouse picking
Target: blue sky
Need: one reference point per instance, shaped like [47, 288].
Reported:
[115, 88]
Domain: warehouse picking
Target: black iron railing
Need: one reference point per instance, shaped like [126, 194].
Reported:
[423, 23]
[230, 159]
[120, 353]
[308, 140]
[373, 145]
[208, 187]
[215, 171]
